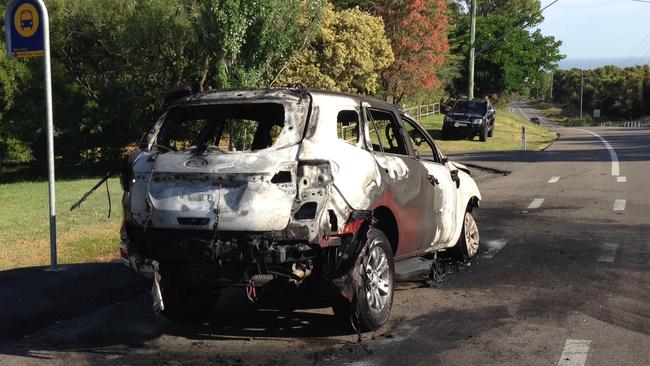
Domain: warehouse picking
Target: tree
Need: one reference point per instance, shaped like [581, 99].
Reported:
[418, 33]
[510, 55]
[617, 92]
[112, 61]
[347, 54]
[248, 42]
[13, 75]
[417, 30]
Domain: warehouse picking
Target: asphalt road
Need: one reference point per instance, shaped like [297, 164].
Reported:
[562, 278]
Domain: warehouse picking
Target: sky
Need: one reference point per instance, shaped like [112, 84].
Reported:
[600, 29]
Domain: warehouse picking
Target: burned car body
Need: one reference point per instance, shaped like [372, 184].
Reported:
[258, 187]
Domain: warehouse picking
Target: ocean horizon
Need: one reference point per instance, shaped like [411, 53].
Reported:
[596, 62]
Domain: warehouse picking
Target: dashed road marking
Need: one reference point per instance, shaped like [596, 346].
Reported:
[608, 252]
[621, 179]
[612, 153]
[554, 180]
[524, 114]
[574, 353]
[619, 205]
[537, 202]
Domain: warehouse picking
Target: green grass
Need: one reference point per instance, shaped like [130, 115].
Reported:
[84, 235]
[507, 135]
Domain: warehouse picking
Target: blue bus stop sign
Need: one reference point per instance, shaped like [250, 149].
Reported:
[24, 29]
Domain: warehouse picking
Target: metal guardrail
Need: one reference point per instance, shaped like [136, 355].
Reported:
[632, 124]
[423, 110]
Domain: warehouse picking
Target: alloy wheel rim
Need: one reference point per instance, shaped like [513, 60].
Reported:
[471, 235]
[378, 281]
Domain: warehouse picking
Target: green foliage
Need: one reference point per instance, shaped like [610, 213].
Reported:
[347, 54]
[112, 61]
[617, 92]
[12, 75]
[417, 30]
[247, 42]
[14, 151]
[510, 57]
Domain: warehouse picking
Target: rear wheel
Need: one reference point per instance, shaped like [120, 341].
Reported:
[374, 299]
[491, 131]
[468, 243]
[184, 303]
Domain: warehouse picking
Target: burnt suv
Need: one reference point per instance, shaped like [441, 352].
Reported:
[279, 187]
[469, 118]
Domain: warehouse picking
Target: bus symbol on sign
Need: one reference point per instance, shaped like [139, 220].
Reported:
[26, 19]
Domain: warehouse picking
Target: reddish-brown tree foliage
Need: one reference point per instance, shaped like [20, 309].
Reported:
[418, 33]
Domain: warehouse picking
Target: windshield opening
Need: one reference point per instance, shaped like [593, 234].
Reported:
[470, 108]
[223, 127]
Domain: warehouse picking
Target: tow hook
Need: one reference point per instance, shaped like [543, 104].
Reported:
[156, 294]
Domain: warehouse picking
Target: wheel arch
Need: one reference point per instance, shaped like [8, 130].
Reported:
[384, 220]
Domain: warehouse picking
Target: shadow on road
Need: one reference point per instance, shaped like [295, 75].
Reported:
[91, 307]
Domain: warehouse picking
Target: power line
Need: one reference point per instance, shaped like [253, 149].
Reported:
[524, 25]
[639, 49]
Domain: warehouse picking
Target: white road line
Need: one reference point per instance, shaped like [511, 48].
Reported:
[621, 179]
[537, 202]
[574, 353]
[608, 252]
[612, 153]
[554, 179]
[619, 205]
[524, 114]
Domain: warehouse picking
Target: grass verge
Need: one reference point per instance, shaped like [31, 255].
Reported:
[507, 135]
[84, 235]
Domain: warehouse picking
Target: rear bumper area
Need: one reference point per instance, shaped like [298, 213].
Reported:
[218, 259]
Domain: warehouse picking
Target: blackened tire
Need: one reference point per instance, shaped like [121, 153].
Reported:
[483, 135]
[491, 131]
[185, 303]
[445, 133]
[468, 243]
[374, 299]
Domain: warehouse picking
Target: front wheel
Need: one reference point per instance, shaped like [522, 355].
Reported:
[468, 243]
[445, 133]
[374, 298]
[483, 134]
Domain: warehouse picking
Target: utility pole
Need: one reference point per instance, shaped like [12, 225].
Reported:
[582, 79]
[472, 45]
[552, 74]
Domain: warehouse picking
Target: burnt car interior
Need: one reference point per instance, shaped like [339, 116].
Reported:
[222, 128]
[347, 126]
[385, 134]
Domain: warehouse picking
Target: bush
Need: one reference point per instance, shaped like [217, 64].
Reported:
[13, 150]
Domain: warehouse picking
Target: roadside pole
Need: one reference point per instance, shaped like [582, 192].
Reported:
[524, 145]
[472, 46]
[582, 82]
[27, 28]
